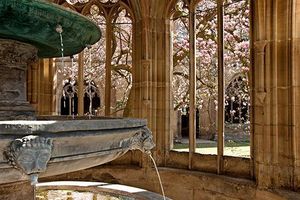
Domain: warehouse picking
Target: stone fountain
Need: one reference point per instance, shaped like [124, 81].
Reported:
[30, 147]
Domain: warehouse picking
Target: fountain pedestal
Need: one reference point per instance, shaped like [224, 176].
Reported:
[15, 57]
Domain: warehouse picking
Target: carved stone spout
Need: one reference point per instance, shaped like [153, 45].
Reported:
[30, 154]
[142, 141]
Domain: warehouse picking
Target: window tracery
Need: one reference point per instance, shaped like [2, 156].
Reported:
[86, 1]
[233, 33]
[108, 62]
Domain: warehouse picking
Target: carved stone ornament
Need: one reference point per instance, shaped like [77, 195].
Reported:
[16, 54]
[142, 141]
[30, 154]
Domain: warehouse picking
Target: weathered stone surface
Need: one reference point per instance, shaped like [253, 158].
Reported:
[30, 154]
[21, 127]
[16, 191]
[77, 144]
[13, 64]
[142, 141]
[15, 54]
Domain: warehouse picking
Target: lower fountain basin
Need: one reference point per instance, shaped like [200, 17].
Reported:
[76, 144]
[92, 190]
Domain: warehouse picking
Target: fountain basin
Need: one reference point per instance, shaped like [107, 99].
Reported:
[92, 190]
[34, 22]
[76, 144]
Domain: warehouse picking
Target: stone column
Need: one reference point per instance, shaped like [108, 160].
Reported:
[80, 84]
[14, 57]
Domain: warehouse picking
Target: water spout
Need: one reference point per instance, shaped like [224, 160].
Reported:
[160, 182]
[33, 179]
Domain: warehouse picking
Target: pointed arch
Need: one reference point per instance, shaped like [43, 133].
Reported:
[102, 11]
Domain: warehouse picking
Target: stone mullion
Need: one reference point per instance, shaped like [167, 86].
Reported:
[168, 101]
[80, 84]
[221, 87]
[40, 86]
[192, 84]
[251, 86]
[108, 54]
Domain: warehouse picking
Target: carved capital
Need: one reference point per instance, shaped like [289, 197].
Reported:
[260, 98]
[146, 64]
[142, 141]
[30, 154]
[260, 46]
[16, 54]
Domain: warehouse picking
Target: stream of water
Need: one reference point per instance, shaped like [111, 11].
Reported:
[161, 186]
[59, 30]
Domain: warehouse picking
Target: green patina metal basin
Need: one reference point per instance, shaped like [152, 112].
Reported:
[35, 21]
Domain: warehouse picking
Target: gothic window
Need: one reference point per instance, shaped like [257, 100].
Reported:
[94, 63]
[210, 46]
[69, 98]
[92, 102]
[237, 101]
[121, 61]
[108, 63]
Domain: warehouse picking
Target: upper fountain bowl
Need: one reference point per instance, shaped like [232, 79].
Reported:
[35, 22]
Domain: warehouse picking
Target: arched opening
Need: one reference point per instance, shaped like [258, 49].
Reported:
[92, 102]
[207, 53]
[121, 61]
[69, 99]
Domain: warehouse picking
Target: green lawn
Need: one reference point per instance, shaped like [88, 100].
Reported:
[239, 149]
